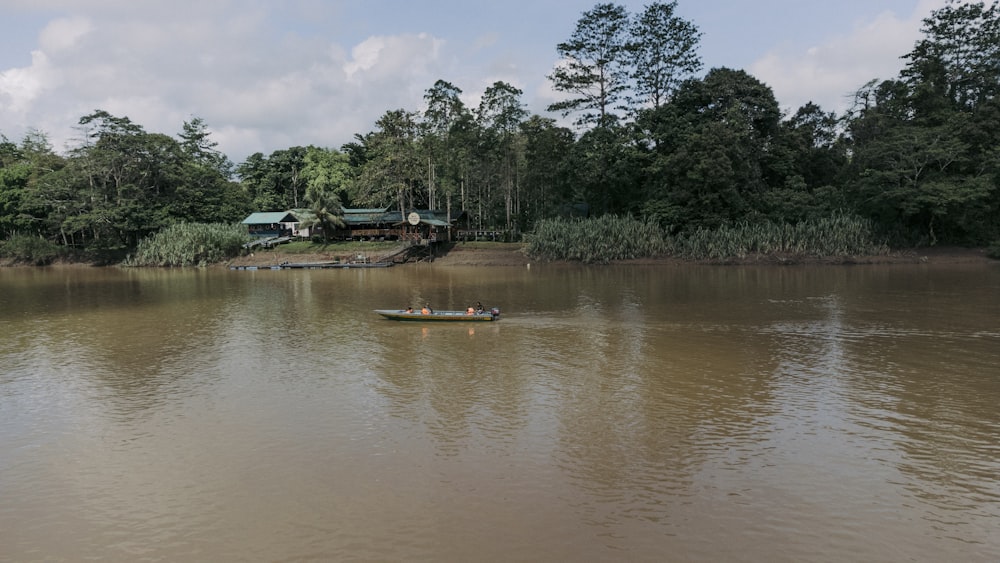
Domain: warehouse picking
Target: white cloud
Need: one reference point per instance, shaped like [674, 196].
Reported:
[380, 58]
[19, 87]
[266, 75]
[64, 34]
[828, 73]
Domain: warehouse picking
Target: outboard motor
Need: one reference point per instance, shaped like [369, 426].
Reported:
[495, 311]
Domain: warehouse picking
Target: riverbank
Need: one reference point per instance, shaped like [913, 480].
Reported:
[512, 254]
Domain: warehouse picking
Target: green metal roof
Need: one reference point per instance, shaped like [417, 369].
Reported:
[434, 222]
[434, 218]
[358, 217]
[348, 211]
[385, 216]
[269, 217]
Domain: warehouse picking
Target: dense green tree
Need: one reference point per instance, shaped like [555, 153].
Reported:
[206, 193]
[499, 116]
[663, 49]
[602, 172]
[547, 184]
[914, 172]
[14, 174]
[327, 172]
[924, 158]
[117, 185]
[196, 142]
[443, 141]
[327, 178]
[595, 66]
[915, 179]
[275, 183]
[958, 57]
[126, 177]
[393, 166]
[711, 148]
[253, 176]
[28, 205]
[917, 154]
[804, 168]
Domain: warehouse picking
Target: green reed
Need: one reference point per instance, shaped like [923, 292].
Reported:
[837, 235]
[190, 244]
[607, 238]
[596, 240]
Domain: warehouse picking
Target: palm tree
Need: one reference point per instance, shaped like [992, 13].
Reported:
[324, 211]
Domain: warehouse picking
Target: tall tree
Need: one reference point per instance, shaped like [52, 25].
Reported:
[327, 177]
[546, 179]
[207, 193]
[803, 168]
[14, 174]
[254, 177]
[499, 116]
[602, 172]
[924, 158]
[327, 171]
[918, 179]
[663, 47]
[196, 142]
[392, 169]
[441, 139]
[594, 70]
[959, 55]
[275, 183]
[712, 146]
[28, 202]
[130, 176]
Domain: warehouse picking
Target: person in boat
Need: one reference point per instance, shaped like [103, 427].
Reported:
[427, 310]
[479, 308]
[408, 310]
[471, 310]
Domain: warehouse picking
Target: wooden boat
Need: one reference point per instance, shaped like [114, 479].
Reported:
[488, 315]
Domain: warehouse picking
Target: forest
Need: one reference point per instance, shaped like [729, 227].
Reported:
[656, 140]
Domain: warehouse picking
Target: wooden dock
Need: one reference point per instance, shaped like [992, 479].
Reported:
[315, 266]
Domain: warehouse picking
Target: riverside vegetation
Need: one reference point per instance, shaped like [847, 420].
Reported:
[187, 244]
[661, 161]
[620, 238]
[593, 241]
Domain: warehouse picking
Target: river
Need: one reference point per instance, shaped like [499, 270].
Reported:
[614, 413]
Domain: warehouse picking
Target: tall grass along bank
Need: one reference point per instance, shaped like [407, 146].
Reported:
[597, 240]
[602, 239]
[190, 244]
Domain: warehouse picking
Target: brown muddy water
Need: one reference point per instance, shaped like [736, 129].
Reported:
[660, 413]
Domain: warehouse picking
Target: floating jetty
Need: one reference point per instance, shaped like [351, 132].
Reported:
[315, 266]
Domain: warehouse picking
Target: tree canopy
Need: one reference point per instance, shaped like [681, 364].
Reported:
[652, 139]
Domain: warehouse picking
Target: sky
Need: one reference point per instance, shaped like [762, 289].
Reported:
[266, 75]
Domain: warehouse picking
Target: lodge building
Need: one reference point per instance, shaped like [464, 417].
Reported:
[415, 225]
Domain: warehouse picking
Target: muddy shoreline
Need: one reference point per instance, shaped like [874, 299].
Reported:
[512, 255]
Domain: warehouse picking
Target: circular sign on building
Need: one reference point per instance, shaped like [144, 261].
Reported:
[413, 218]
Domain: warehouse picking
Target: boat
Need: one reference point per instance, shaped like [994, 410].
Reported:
[488, 315]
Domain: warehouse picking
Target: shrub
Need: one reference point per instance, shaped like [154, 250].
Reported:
[597, 240]
[837, 235]
[190, 244]
[28, 249]
[620, 238]
[993, 250]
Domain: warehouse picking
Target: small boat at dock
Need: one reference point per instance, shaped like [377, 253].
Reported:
[488, 315]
